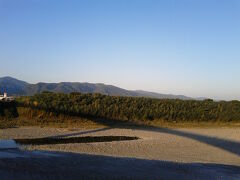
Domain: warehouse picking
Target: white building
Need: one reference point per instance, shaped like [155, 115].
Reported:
[4, 97]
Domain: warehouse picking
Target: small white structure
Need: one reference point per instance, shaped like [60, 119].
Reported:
[4, 97]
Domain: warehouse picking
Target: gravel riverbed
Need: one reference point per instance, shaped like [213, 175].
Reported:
[191, 147]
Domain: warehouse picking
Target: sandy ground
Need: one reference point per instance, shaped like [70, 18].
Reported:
[207, 150]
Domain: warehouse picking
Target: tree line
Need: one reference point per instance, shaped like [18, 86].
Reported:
[133, 108]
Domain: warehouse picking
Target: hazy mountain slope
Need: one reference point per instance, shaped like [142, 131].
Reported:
[16, 87]
[12, 86]
[161, 96]
[67, 87]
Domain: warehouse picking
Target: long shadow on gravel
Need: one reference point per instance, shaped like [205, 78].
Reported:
[85, 139]
[228, 145]
[80, 166]
[225, 144]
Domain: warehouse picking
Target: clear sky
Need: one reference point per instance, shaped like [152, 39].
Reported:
[189, 47]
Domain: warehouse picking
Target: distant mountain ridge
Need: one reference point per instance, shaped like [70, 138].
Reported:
[16, 87]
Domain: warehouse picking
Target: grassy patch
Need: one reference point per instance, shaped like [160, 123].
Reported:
[194, 124]
[41, 118]
[67, 123]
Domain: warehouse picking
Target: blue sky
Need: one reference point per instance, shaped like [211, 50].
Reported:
[189, 47]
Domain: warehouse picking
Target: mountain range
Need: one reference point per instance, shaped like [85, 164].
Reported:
[17, 87]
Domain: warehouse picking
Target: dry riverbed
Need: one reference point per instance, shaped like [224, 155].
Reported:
[201, 146]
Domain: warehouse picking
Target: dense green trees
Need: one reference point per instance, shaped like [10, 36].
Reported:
[132, 108]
